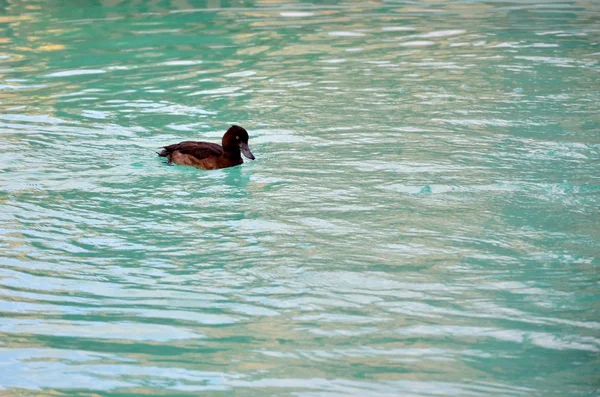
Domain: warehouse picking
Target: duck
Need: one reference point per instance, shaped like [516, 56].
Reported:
[211, 156]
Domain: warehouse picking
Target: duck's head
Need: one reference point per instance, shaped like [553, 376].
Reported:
[236, 139]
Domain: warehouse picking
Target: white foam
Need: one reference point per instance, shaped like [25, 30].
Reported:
[296, 14]
[346, 34]
[78, 72]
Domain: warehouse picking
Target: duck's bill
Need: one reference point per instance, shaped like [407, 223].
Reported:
[246, 151]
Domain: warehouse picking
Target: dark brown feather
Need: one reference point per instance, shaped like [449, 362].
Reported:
[199, 150]
[210, 156]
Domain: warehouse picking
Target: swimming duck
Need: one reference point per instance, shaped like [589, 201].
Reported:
[211, 156]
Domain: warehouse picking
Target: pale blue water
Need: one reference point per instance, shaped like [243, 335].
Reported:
[422, 218]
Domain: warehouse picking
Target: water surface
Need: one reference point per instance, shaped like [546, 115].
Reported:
[421, 220]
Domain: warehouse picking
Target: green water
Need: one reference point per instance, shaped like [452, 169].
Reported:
[422, 218]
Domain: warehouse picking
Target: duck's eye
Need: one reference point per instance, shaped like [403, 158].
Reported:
[237, 137]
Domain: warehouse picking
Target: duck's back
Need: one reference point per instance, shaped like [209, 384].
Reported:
[200, 150]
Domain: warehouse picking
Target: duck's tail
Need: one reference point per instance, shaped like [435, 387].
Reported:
[163, 153]
[168, 150]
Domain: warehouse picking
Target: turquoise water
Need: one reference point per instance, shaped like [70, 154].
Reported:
[422, 218]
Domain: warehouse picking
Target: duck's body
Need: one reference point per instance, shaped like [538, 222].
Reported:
[210, 156]
[206, 155]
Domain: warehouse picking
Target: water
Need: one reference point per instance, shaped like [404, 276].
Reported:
[421, 220]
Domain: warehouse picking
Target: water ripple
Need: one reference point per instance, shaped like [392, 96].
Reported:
[421, 218]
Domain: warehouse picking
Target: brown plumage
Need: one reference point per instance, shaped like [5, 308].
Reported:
[210, 156]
